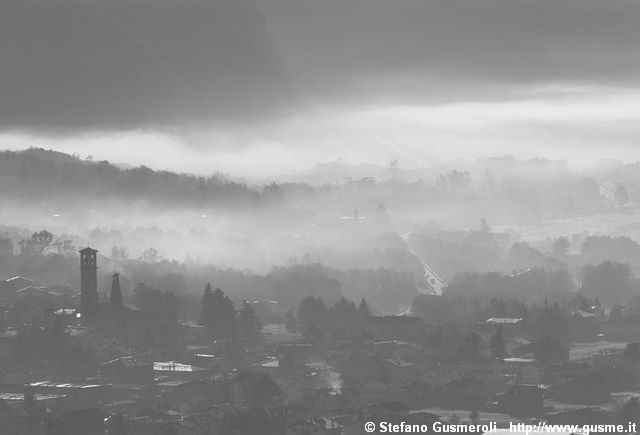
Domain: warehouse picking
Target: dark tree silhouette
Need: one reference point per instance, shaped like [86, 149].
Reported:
[549, 350]
[258, 389]
[250, 326]
[37, 244]
[497, 344]
[218, 314]
[342, 318]
[561, 246]
[363, 309]
[290, 321]
[471, 346]
[312, 313]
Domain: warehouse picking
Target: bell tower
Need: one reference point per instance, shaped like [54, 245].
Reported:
[88, 278]
[116, 293]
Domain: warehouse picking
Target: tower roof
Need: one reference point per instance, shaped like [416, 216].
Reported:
[88, 250]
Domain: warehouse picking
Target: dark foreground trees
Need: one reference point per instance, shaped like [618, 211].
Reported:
[218, 314]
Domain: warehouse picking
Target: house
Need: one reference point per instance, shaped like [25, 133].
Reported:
[521, 370]
[9, 288]
[270, 365]
[67, 316]
[94, 342]
[511, 327]
[19, 282]
[31, 292]
[195, 333]
[608, 357]
[177, 370]
[138, 392]
[49, 401]
[300, 352]
[126, 369]
[26, 376]
[518, 346]
[77, 393]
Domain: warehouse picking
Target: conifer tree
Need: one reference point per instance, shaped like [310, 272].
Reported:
[250, 325]
[218, 314]
[363, 309]
[497, 344]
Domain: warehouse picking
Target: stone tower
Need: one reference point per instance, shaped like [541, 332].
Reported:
[116, 293]
[88, 279]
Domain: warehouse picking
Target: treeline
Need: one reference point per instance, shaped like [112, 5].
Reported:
[223, 321]
[609, 282]
[40, 174]
[483, 251]
[531, 285]
[152, 282]
[386, 289]
[343, 319]
[479, 251]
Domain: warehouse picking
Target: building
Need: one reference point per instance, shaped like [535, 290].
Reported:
[88, 280]
[521, 370]
[78, 394]
[115, 317]
[511, 327]
[127, 369]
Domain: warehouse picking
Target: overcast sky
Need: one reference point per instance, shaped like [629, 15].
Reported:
[254, 87]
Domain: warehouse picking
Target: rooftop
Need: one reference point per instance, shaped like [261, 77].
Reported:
[318, 366]
[19, 278]
[269, 363]
[503, 320]
[519, 360]
[11, 397]
[172, 366]
[51, 384]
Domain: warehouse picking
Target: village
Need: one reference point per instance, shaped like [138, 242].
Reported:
[105, 366]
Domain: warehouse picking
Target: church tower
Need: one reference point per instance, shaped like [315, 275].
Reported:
[88, 279]
[116, 293]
